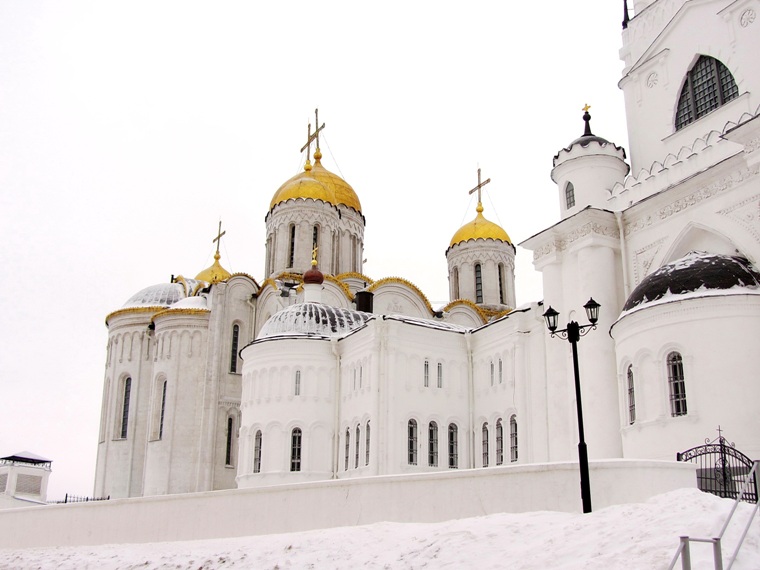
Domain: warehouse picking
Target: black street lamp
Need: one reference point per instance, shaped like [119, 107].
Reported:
[573, 334]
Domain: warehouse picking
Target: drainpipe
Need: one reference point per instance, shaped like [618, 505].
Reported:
[623, 254]
[471, 397]
[336, 418]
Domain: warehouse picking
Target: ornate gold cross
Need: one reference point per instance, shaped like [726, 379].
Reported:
[586, 107]
[218, 238]
[479, 186]
[312, 136]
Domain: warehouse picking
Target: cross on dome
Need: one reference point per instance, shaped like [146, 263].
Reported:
[479, 186]
[312, 137]
[218, 238]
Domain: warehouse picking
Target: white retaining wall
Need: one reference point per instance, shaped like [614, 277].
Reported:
[429, 497]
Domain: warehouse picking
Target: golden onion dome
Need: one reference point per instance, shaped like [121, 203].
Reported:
[480, 228]
[317, 183]
[214, 274]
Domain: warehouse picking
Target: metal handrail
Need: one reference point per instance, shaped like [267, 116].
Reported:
[683, 547]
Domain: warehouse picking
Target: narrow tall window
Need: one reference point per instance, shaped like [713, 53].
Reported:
[295, 450]
[478, 284]
[501, 371]
[257, 452]
[354, 254]
[292, 248]
[433, 444]
[492, 373]
[569, 195]
[499, 442]
[440, 374]
[631, 397]
[297, 386]
[412, 442]
[453, 446]
[485, 444]
[426, 374]
[513, 439]
[234, 348]
[356, 455]
[366, 445]
[163, 409]
[454, 284]
[125, 408]
[677, 385]
[502, 290]
[708, 85]
[228, 448]
[348, 449]
[315, 240]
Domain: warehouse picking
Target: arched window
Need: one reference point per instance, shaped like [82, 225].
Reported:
[292, 247]
[499, 442]
[257, 452]
[315, 240]
[297, 384]
[426, 374]
[125, 407]
[502, 290]
[356, 455]
[478, 284]
[631, 396]
[501, 371]
[569, 195]
[433, 444]
[677, 385]
[453, 446]
[708, 85]
[348, 449]
[163, 409]
[366, 446]
[513, 439]
[295, 449]
[228, 447]
[412, 442]
[454, 284]
[485, 444]
[234, 348]
[354, 253]
[492, 373]
[440, 374]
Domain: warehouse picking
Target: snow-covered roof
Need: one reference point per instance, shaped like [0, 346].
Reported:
[697, 274]
[161, 295]
[314, 319]
[440, 325]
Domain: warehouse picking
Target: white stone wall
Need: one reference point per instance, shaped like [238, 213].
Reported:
[492, 256]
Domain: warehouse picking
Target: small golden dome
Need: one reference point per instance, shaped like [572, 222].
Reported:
[214, 274]
[480, 228]
[317, 183]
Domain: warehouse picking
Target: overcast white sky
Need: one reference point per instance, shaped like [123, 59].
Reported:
[128, 129]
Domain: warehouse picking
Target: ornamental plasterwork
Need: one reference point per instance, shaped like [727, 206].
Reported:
[482, 255]
[228, 403]
[589, 228]
[644, 258]
[752, 145]
[652, 20]
[747, 214]
[704, 193]
[747, 17]
[652, 79]
[394, 307]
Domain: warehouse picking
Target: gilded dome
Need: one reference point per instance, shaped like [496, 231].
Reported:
[214, 274]
[480, 228]
[317, 183]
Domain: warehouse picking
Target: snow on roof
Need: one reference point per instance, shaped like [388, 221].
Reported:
[313, 319]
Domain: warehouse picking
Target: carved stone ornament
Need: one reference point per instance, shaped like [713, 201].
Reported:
[584, 230]
[747, 214]
[752, 145]
[652, 79]
[747, 17]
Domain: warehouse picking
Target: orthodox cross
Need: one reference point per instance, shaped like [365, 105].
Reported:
[312, 136]
[720, 432]
[479, 186]
[218, 238]
[586, 107]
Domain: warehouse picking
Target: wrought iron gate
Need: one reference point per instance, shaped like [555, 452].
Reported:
[722, 469]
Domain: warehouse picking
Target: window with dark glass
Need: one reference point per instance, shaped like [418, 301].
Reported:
[499, 442]
[513, 439]
[570, 195]
[455, 283]
[228, 447]
[257, 452]
[412, 442]
[478, 284]
[677, 385]
[502, 290]
[485, 444]
[708, 85]
[295, 449]
[358, 439]
[453, 446]
[292, 248]
[348, 449]
[125, 408]
[433, 444]
[234, 348]
[631, 396]
[426, 374]
[163, 409]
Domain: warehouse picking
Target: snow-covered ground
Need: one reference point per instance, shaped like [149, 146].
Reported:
[632, 537]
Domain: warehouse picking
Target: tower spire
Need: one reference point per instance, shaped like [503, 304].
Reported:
[587, 119]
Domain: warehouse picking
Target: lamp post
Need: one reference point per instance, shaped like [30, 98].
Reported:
[572, 334]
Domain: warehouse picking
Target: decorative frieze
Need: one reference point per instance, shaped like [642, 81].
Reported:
[561, 244]
[747, 214]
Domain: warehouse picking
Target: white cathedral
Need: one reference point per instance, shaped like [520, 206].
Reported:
[317, 371]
